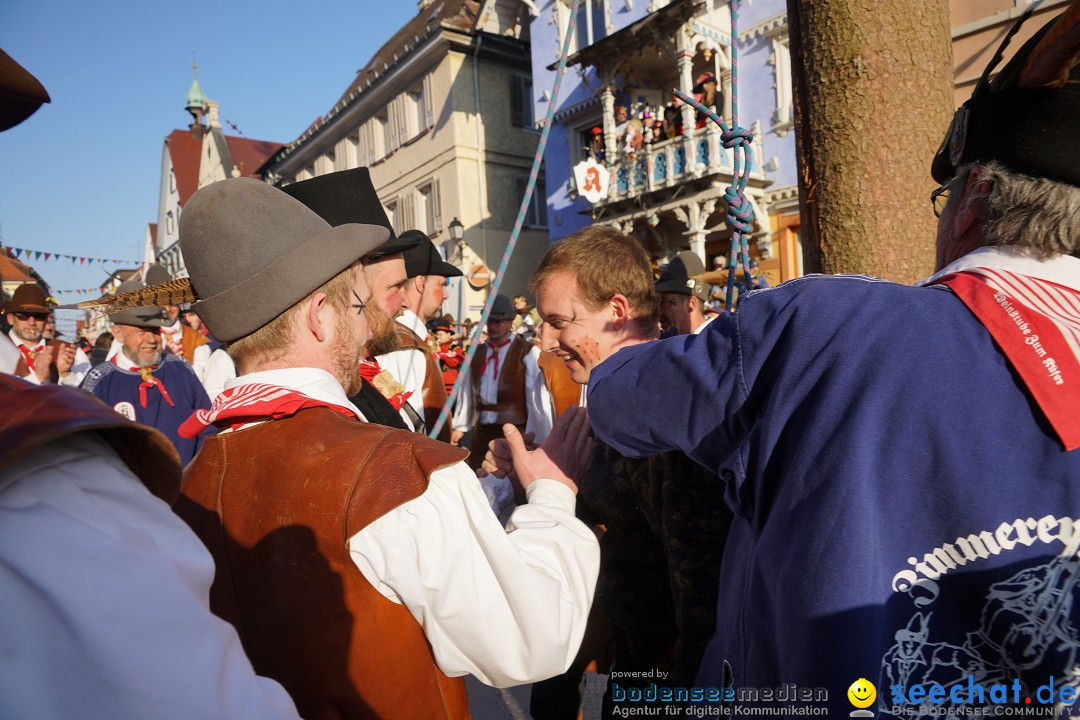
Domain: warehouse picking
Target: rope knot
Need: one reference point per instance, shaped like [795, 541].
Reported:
[740, 213]
[736, 137]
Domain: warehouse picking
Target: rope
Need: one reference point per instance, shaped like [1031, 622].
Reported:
[518, 224]
[740, 214]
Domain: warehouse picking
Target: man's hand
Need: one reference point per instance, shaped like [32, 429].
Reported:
[455, 437]
[65, 359]
[174, 347]
[563, 455]
[498, 460]
[42, 362]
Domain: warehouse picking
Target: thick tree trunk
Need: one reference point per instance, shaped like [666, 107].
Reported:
[873, 97]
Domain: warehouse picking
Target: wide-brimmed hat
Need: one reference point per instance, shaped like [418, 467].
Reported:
[678, 276]
[252, 252]
[141, 317]
[424, 259]
[1027, 117]
[502, 308]
[157, 274]
[28, 298]
[21, 94]
[349, 197]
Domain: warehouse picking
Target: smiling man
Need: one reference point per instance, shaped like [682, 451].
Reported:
[145, 384]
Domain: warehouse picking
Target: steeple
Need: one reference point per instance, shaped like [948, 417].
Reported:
[196, 102]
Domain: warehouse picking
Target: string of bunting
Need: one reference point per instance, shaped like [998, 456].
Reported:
[27, 254]
[78, 291]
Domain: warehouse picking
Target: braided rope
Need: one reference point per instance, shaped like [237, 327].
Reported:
[740, 213]
[518, 224]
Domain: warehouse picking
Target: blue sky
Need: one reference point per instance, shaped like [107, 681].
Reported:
[81, 176]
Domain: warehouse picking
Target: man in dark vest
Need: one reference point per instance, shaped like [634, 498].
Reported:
[363, 566]
[414, 364]
[504, 385]
[43, 360]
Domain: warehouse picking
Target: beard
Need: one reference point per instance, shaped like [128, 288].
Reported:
[28, 334]
[345, 355]
[384, 337]
[141, 358]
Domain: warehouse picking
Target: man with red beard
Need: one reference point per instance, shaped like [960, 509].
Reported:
[144, 384]
[363, 564]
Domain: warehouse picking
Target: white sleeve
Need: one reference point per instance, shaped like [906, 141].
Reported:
[219, 370]
[462, 419]
[538, 399]
[199, 359]
[508, 606]
[106, 600]
[79, 368]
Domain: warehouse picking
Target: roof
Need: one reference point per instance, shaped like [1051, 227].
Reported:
[249, 155]
[11, 270]
[186, 153]
[453, 14]
[152, 229]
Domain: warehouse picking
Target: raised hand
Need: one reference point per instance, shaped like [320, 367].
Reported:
[562, 457]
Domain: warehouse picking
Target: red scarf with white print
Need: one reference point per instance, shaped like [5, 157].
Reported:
[1036, 323]
[245, 404]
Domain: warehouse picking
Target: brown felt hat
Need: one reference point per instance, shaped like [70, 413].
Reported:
[252, 252]
[28, 298]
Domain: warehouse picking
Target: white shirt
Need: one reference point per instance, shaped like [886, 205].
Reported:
[175, 333]
[219, 370]
[409, 366]
[79, 367]
[538, 400]
[508, 605]
[106, 600]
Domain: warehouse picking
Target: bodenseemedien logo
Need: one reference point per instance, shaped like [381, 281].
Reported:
[862, 695]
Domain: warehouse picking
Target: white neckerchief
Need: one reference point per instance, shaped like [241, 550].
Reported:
[1060, 269]
[313, 382]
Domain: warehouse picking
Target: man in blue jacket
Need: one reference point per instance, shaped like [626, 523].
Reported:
[901, 461]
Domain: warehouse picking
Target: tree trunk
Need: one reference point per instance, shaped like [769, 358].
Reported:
[873, 92]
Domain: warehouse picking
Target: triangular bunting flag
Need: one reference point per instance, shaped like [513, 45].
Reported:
[47, 255]
[37, 255]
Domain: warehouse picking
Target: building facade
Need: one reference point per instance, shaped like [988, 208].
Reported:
[666, 167]
[439, 115]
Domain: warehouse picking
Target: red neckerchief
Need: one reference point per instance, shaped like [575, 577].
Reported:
[493, 356]
[28, 355]
[149, 381]
[245, 404]
[1036, 323]
[369, 370]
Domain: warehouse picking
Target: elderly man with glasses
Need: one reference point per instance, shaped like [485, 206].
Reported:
[43, 360]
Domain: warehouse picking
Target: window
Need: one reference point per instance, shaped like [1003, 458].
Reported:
[591, 23]
[170, 224]
[782, 118]
[400, 212]
[536, 215]
[429, 217]
[172, 181]
[521, 101]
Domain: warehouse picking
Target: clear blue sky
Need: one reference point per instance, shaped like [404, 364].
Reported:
[81, 176]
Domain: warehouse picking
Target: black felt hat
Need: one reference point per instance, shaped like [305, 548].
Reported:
[424, 259]
[349, 197]
[502, 308]
[1028, 117]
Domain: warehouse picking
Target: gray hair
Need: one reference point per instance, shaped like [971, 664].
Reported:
[1039, 215]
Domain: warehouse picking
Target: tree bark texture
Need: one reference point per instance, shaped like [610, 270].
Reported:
[873, 92]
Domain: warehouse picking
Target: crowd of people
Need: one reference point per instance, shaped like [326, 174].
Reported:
[843, 480]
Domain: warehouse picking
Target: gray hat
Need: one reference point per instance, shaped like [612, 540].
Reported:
[252, 252]
[502, 308]
[151, 316]
[157, 274]
[678, 276]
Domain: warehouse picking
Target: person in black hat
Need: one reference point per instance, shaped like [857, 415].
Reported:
[504, 385]
[414, 364]
[902, 457]
[144, 383]
[682, 295]
[364, 563]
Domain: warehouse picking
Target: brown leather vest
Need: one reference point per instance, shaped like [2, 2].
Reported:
[37, 414]
[509, 406]
[190, 338]
[21, 368]
[564, 391]
[434, 391]
[276, 505]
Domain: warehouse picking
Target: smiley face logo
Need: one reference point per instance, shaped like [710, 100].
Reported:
[862, 693]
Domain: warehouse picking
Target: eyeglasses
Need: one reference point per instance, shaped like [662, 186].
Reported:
[24, 316]
[939, 199]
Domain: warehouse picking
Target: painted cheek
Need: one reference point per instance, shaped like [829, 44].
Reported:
[589, 349]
